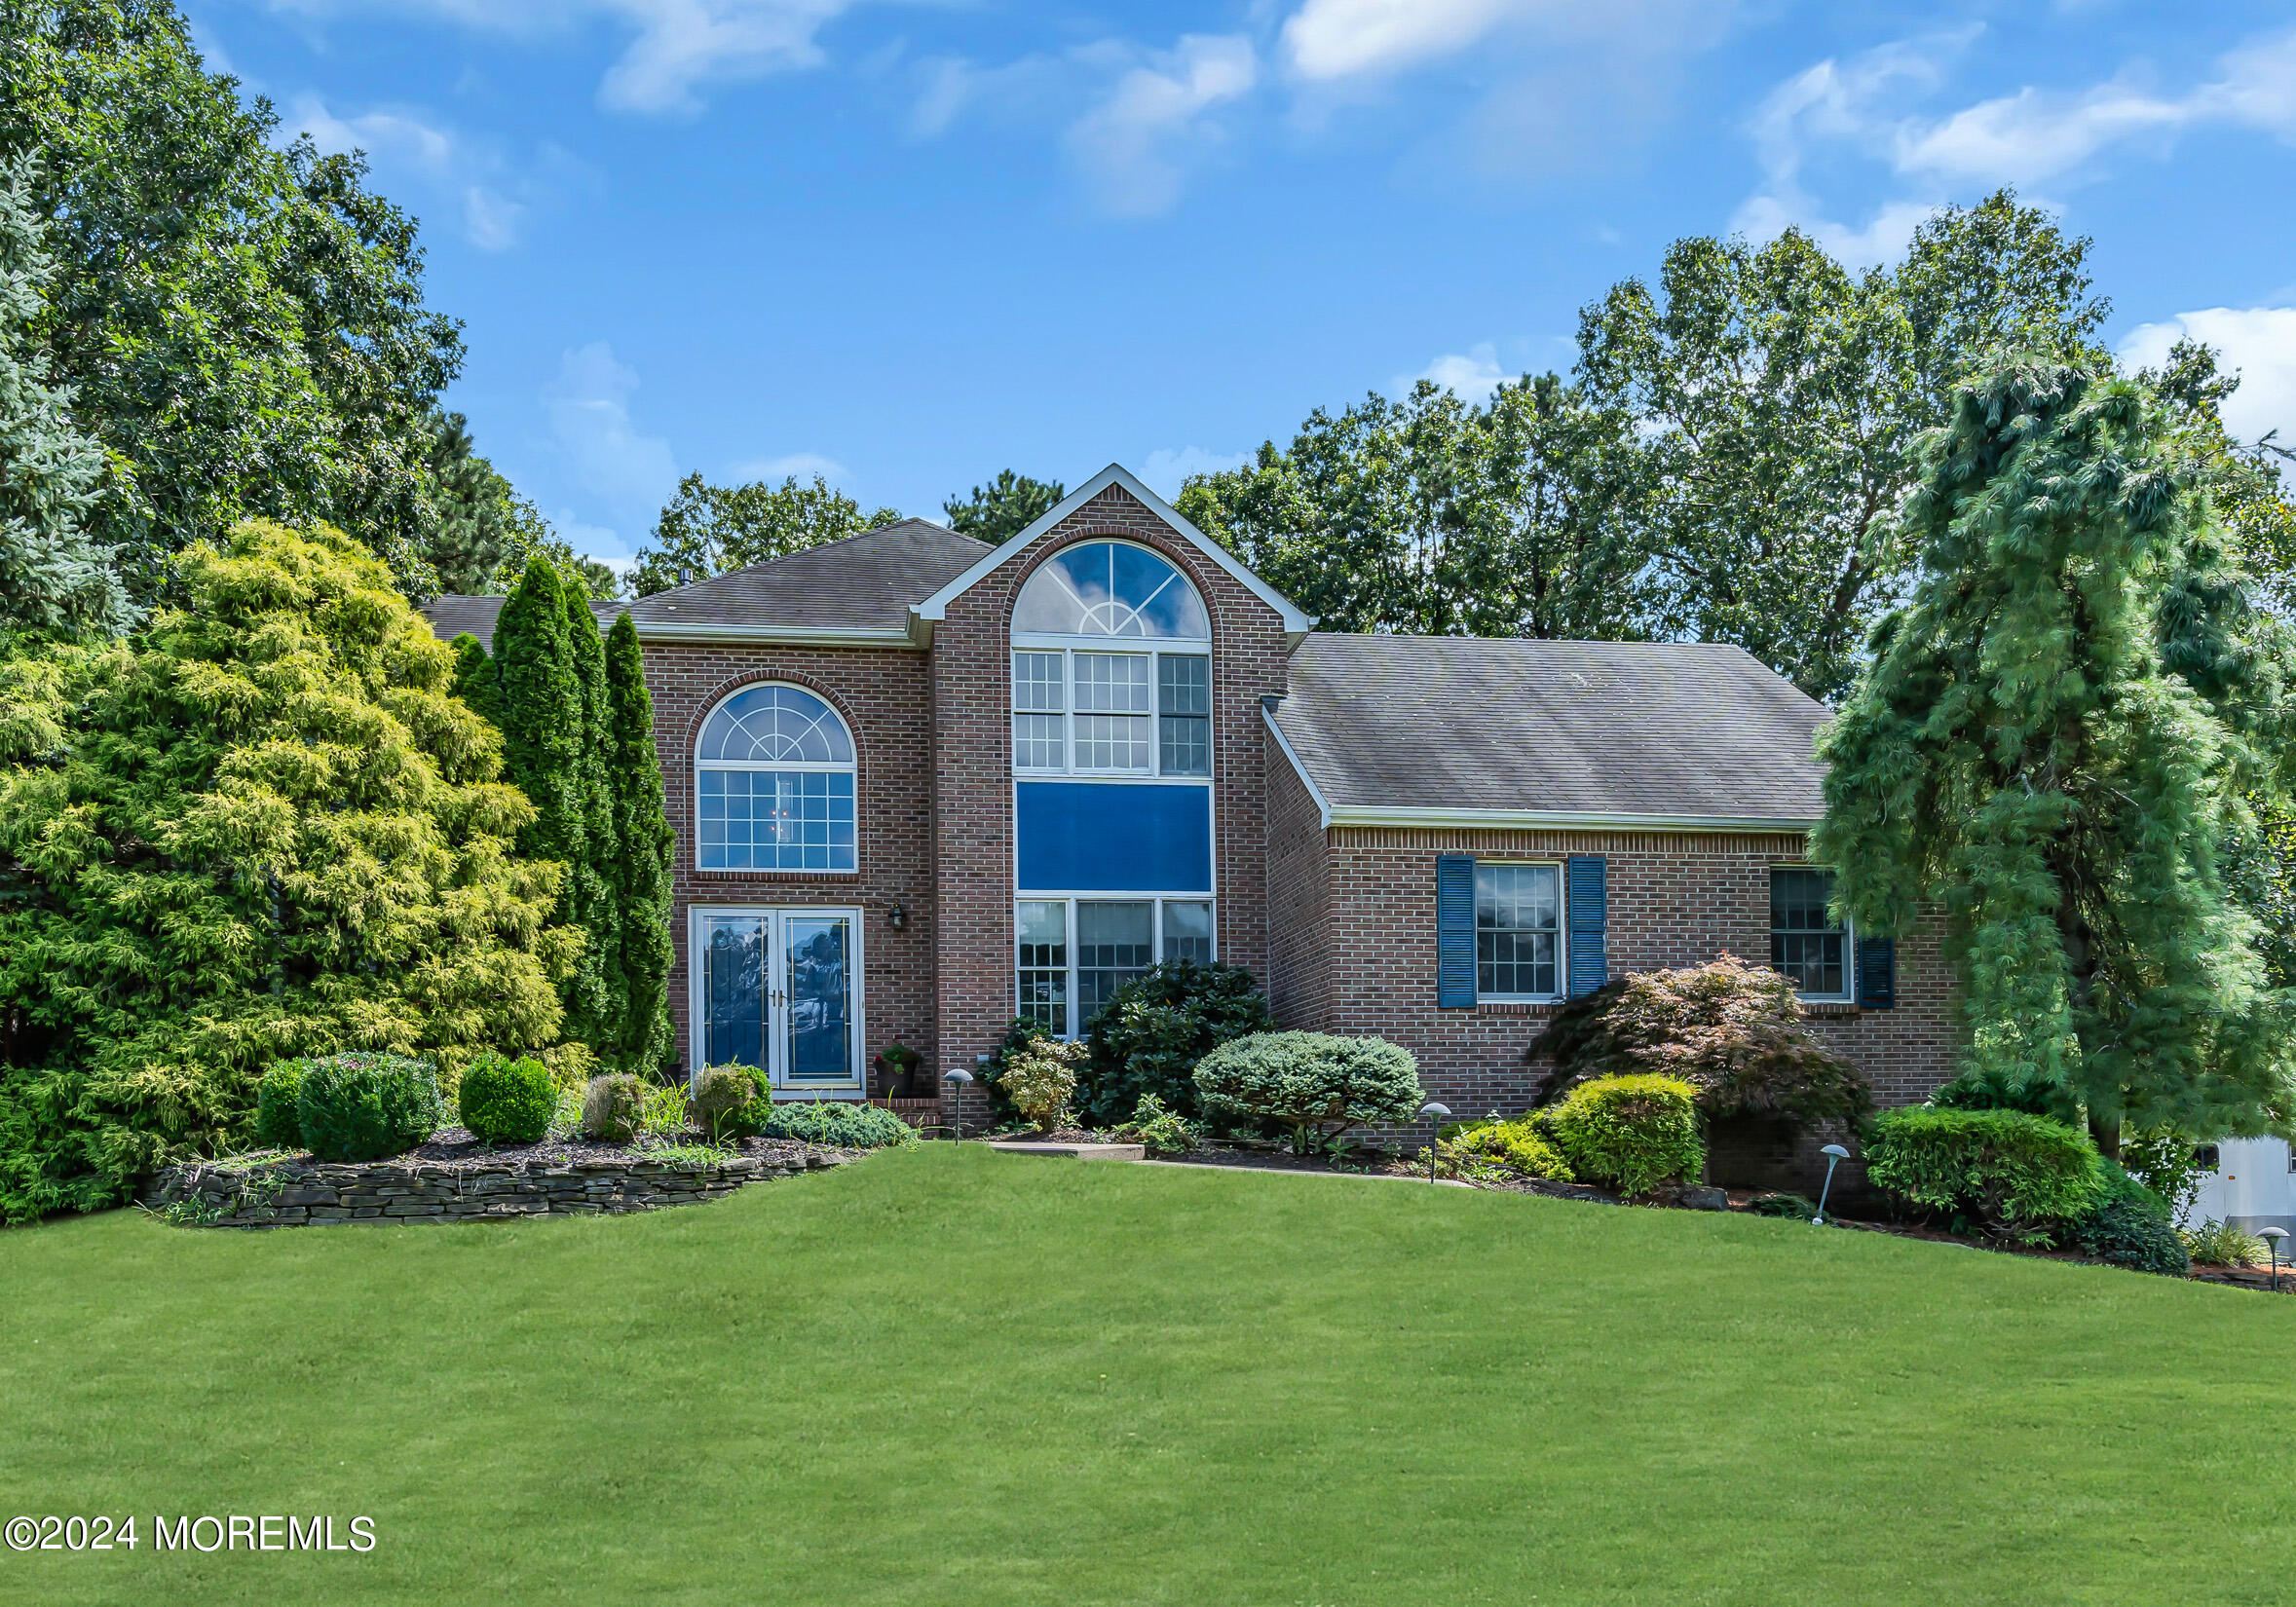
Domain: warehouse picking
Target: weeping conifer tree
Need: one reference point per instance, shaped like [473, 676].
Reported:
[638, 985]
[543, 707]
[2022, 752]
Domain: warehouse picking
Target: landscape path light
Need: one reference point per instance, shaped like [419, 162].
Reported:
[1439, 1112]
[2272, 1237]
[957, 1080]
[1834, 1155]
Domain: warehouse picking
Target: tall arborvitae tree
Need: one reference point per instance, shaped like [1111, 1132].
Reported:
[595, 908]
[2055, 742]
[264, 828]
[542, 709]
[51, 576]
[641, 886]
[474, 677]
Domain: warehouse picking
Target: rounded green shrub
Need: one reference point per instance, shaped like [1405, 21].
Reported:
[1154, 1029]
[2006, 1172]
[277, 1126]
[502, 1101]
[1517, 1147]
[1631, 1132]
[1312, 1084]
[611, 1107]
[364, 1106]
[836, 1124]
[723, 1101]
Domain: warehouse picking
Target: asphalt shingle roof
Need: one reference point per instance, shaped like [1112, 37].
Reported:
[864, 583]
[1667, 729]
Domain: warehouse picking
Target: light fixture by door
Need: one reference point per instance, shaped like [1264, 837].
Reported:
[898, 919]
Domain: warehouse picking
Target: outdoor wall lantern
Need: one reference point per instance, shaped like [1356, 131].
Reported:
[898, 919]
[2272, 1237]
[1439, 1112]
[1834, 1155]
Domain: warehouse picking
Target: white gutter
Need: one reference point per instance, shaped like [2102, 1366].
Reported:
[792, 636]
[1386, 814]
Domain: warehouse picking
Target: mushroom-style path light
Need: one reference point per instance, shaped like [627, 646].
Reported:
[1439, 1112]
[956, 1081]
[2272, 1237]
[1834, 1155]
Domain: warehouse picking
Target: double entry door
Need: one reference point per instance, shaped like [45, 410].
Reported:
[779, 990]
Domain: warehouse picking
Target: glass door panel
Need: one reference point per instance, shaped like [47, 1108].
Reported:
[733, 989]
[816, 982]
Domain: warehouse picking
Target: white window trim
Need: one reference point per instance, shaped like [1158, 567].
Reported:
[1068, 903]
[1562, 934]
[851, 768]
[1849, 992]
[1068, 647]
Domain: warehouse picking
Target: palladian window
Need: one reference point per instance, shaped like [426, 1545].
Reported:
[1082, 704]
[774, 784]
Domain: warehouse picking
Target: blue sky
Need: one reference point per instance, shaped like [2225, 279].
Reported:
[911, 243]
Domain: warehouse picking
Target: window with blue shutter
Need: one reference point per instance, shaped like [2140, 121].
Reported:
[1588, 912]
[1454, 931]
[1877, 973]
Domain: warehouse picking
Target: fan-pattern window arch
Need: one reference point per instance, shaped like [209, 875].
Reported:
[774, 784]
[1111, 588]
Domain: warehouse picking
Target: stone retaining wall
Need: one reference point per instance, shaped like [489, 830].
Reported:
[299, 1193]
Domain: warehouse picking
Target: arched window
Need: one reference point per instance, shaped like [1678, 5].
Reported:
[774, 788]
[1110, 588]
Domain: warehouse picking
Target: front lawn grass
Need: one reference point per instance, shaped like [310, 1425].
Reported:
[946, 1375]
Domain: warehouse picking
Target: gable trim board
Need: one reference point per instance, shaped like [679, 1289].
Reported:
[924, 615]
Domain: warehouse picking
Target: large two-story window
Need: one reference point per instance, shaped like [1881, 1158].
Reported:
[773, 784]
[1806, 942]
[1111, 754]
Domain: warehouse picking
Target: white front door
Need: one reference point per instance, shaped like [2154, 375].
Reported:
[779, 990]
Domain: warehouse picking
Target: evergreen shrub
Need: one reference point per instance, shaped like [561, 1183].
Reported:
[366, 1106]
[1313, 1085]
[1518, 1148]
[611, 1107]
[837, 1124]
[1632, 1133]
[723, 1101]
[278, 1125]
[502, 1101]
[2007, 1172]
[2129, 1227]
[1154, 1029]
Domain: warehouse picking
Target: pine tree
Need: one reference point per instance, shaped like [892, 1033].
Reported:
[474, 508]
[51, 576]
[543, 710]
[642, 880]
[264, 829]
[596, 909]
[2047, 744]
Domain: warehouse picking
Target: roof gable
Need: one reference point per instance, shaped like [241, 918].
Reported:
[936, 607]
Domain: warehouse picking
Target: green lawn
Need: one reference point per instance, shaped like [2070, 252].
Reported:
[953, 1376]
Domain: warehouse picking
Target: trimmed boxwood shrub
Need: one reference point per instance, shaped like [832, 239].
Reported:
[724, 1099]
[1632, 1133]
[2004, 1172]
[611, 1107]
[502, 1101]
[1154, 1029]
[1312, 1084]
[364, 1106]
[277, 1126]
[838, 1125]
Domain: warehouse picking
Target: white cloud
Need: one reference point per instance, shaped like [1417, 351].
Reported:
[1473, 374]
[494, 195]
[802, 465]
[2258, 341]
[1327, 41]
[1165, 471]
[1134, 145]
[630, 473]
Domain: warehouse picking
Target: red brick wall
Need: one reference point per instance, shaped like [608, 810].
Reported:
[1298, 977]
[1674, 899]
[973, 767]
[884, 696]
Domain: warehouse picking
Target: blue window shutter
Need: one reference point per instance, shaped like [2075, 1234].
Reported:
[1587, 903]
[1454, 931]
[1877, 973]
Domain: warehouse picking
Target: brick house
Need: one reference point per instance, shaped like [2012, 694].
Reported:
[921, 785]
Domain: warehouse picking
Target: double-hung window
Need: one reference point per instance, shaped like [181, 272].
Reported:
[1806, 942]
[1518, 931]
